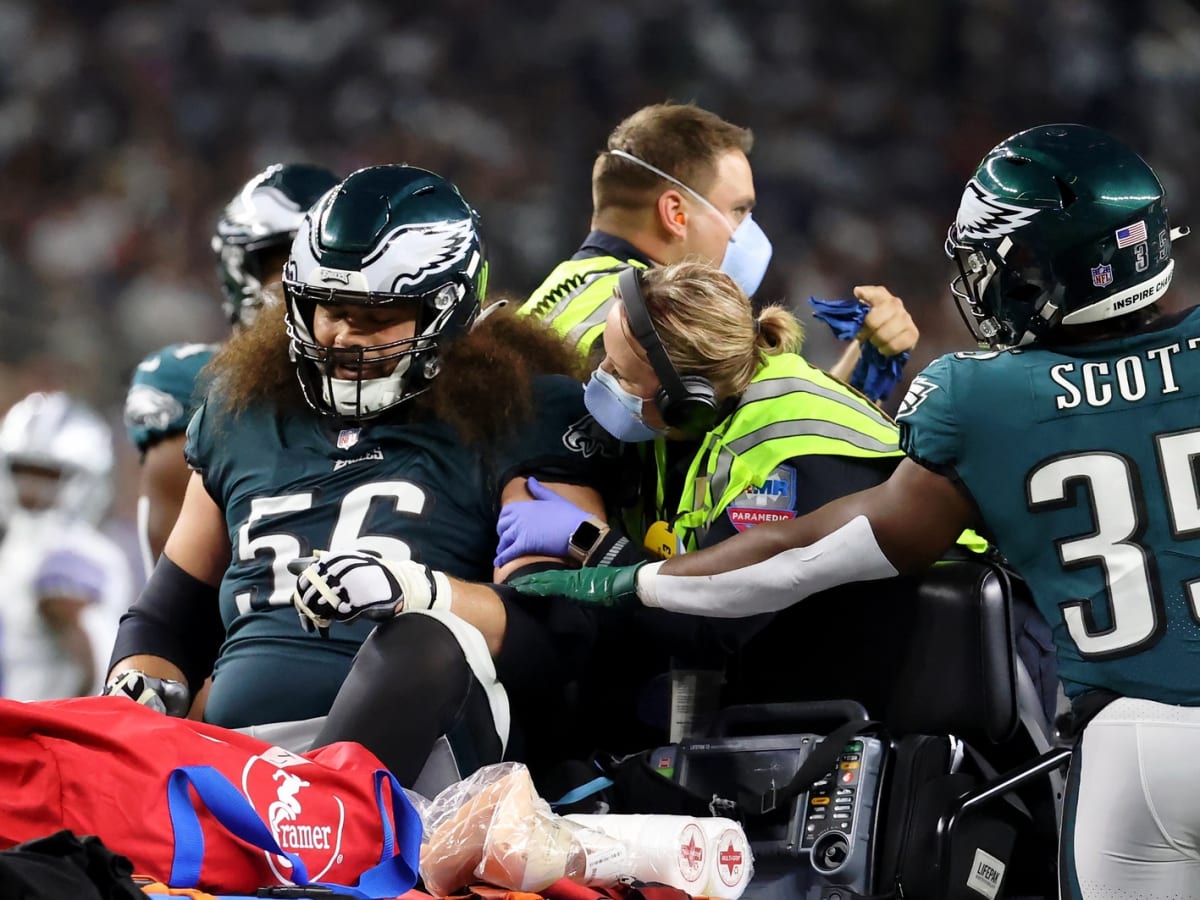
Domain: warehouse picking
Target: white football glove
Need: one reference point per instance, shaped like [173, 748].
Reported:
[340, 587]
[162, 695]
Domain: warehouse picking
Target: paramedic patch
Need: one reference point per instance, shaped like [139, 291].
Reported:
[775, 500]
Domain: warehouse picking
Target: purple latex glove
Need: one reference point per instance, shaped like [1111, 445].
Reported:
[539, 527]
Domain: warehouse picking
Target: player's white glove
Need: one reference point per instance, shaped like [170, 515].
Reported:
[162, 695]
[340, 587]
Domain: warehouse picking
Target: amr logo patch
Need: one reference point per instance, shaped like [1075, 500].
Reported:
[918, 390]
[982, 214]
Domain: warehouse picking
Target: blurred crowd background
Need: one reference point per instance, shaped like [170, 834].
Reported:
[126, 124]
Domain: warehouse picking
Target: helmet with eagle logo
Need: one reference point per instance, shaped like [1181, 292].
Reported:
[1060, 225]
[386, 235]
[255, 231]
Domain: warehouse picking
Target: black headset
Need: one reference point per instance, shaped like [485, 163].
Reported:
[687, 402]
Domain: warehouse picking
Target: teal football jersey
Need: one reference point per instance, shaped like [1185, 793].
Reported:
[291, 485]
[163, 394]
[1083, 463]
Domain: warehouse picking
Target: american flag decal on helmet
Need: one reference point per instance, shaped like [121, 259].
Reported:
[1131, 234]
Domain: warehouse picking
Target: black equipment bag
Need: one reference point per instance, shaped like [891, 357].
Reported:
[920, 858]
[903, 837]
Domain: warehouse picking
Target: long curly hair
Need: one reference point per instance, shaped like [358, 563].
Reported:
[484, 390]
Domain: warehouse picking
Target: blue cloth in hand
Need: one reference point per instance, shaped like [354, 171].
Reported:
[875, 375]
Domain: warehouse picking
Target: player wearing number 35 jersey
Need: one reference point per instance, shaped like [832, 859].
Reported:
[375, 411]
[1087, 451]
[1072, 442]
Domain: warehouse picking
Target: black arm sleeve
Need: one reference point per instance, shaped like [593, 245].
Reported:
[548, 641]
[175, 617]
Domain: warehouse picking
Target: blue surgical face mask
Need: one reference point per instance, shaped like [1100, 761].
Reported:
[618, 411]
[747, 255]
[748, 252]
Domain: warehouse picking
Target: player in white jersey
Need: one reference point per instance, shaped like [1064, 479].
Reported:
[66, 583]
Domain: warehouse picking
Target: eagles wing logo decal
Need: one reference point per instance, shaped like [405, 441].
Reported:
[588, 439]
[148, 407]
[982, 214]
[414, 252]
[918, 390]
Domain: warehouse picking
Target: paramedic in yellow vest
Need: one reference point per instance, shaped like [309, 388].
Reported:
[741, 429]
[674, 183]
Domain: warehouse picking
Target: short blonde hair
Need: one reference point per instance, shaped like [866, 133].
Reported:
[708, 327]
[681, 139]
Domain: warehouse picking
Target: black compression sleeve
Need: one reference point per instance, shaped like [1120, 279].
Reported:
[438, 692]
[546, 640]
[175, 617]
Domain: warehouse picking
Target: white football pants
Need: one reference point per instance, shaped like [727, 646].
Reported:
[1131, 827]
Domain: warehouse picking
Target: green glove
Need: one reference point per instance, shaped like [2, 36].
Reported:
[600, 585]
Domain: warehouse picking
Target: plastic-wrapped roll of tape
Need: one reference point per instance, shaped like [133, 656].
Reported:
[705, 857]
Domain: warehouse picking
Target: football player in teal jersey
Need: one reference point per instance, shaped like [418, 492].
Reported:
[370, 413]
[251, 243]
[1071, 441]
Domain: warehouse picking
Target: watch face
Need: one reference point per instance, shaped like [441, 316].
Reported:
[584, 538]
[585, 535]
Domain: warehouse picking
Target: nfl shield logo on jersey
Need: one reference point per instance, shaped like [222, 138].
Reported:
[347, 438]
[1102, 275]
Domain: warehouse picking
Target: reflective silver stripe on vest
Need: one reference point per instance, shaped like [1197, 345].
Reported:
[777, 387]
[792, 428]
[598, 316]
[587, 279]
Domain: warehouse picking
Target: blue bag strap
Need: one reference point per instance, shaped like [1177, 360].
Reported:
[229, 807]
[393, 875]
[595, 786]
[396, 873]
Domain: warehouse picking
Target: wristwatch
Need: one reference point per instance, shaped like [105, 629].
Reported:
[585, 538]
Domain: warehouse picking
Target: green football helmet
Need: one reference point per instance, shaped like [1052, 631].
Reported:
[386, 235]
[1060, 225]
[257, 226]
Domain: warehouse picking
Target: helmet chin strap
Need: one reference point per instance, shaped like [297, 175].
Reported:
[365, 396]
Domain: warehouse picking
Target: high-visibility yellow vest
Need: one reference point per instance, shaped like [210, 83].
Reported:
[576, 297]
[790, 409]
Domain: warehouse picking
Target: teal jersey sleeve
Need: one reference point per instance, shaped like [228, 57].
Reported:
[198, 448]
[930, 430]
[163, 393]
[562, 442]
[1081, 462]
